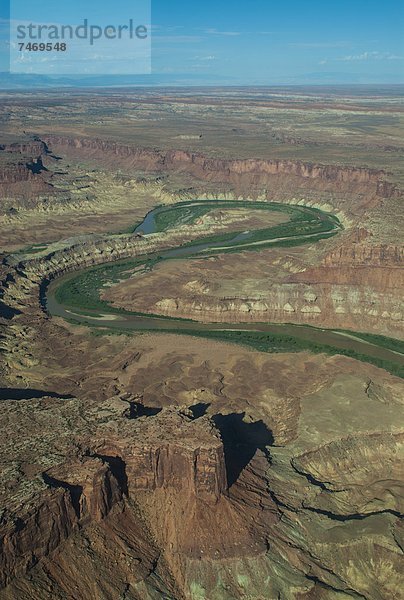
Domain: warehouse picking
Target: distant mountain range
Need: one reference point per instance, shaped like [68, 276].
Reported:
[24, 81]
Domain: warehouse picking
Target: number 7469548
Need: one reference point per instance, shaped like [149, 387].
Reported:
[42, 47]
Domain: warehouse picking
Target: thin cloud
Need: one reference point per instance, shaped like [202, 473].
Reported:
[177, 38]
[341, 44]
[212, 31]
[374, 55]
[165, 28]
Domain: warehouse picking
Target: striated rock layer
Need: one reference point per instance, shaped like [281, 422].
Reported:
[278, 178]
[21, 171]
[276, 287]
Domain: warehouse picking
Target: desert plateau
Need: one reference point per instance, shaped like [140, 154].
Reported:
[202, 343]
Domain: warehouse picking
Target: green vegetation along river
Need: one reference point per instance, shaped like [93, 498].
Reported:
[76, 296]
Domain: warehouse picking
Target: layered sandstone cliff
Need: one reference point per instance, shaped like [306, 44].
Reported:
[21, 171]
[276, 176]
[358, 288]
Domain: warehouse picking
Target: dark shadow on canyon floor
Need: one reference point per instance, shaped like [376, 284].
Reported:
[7, 312]
[137, 409]
[241, 440]
[29, 394]
[199, 410]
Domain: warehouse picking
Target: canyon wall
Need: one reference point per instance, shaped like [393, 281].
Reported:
[336, 305]
[21, 171]
[85, 491]
[276, 178]
[196, 464]
[245, 175]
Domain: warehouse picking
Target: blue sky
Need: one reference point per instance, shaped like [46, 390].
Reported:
[263, 42]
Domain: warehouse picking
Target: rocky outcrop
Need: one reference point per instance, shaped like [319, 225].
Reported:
[86, 491]
[172, 459]
[35, 532]
[173, 502]
[331, 305]
[193, 458]
[21, 170]
[32, 148]
[50, 489]
[10, 174]
[359, 255]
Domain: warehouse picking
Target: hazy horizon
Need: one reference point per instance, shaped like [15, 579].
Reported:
[233, 44]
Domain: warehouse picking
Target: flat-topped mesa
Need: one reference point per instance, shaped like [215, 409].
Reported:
[33, 148]
[171, 450]
[21, 161]
[24, 176]
[24, 180]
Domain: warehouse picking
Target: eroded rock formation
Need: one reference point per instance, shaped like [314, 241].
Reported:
[121, 498]
[275, 175]
[21, 171]
[276, 477]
